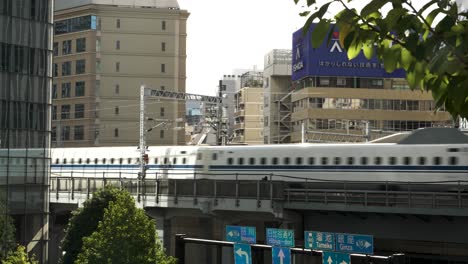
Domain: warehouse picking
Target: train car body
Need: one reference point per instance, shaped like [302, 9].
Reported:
[444, 160]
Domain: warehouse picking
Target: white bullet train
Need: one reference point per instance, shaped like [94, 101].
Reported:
[426, 155]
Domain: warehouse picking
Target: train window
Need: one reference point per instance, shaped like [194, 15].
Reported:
[129, 161]
[174, 161]
[80, 161]
[64, 161]
[166, 160]
[337, 160]
[120, 160]
[392, 160]
[378, 160]
[422, 161]
[263, 161]
[453, 150]
[324, 161]
[95, 160]
[184, 160]
[183, 152]
[214, 156]
[72, 161]
[137, 160]
[407, 160]
[155, 160]
[251, 161]
[112, 160]
[437, 161]
[240, 161]
[453, 160]
[104, 161]
[88, 161]
[286, 160]
[199, 156]
[229, 161]
[274, 161]
[311, 161]
[364, 160]
[57, 161]
[298, 161]
[350, 160]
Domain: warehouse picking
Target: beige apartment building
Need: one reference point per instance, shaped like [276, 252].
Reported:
[103, 53]
[346, 105]
[248, 112]
[277, 97]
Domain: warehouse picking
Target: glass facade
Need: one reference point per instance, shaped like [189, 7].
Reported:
[25, 103]
[75, 24]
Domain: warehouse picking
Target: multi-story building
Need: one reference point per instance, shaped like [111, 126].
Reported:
[248, 127]
[277, 97]
[335, 95]
[26, 79]
[103, 53]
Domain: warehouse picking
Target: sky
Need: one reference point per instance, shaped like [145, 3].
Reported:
[224, 35]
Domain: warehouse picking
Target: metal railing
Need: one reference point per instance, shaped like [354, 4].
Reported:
[276, 188]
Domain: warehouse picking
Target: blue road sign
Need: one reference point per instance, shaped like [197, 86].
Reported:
[335, 258]
[242, 254]
[281, 255]
[241, 234]
[354, 243]
[280, 237]
[319, 240]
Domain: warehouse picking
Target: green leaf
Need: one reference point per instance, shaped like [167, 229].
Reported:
[296, 1]
[319, 33]
[373, 6]
[394, 15]
[318, 14]
[310, 2]
[426, 6]
[354, 49]
[390, 58]
[405, 58]
[330, 34]
[368, 49]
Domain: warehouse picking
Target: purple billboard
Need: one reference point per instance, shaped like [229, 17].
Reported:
[332, 60]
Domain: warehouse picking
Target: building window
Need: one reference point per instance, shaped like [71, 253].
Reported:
[116, 132]
[340, 81]
[117, 45]
[163, 25]
[56, 47]
[80, 66]
[116, 110]
[79, 111]
[54, 91]
[66, 47]
[54, 112]
[162, 111]
[74, 24]
[117, 24]
[65, 133]
[66, 68]
[163, 67]
[117, 89]
[117, 66]
[163, 46]
[163, 88]
[65, 113]
[161, 133]
[53, 135]
[55, 70]
[79, 132]
[66, 90]
[80, 88]
[81, 45]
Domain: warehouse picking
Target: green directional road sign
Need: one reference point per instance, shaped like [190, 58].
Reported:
[335, 258]
[319, 240]
[242, 254]
[241, 234]
[280, 237]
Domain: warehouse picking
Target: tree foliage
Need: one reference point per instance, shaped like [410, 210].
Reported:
[84, 222]
[19, 257]
[125, 235]
[430, 43]
[7, 230]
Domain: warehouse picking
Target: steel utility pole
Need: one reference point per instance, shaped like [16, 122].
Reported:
[219, 126]
[141, 173]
